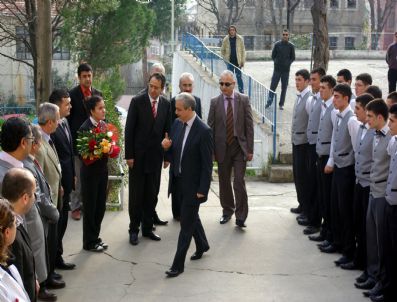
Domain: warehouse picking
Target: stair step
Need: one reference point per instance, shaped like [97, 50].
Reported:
[285, 158]
[280, 173]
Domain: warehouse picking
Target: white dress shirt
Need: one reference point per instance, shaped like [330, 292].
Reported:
[11, 160]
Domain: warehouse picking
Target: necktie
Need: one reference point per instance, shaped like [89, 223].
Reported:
[37, 165]
[154, 111]
[178, 151]
[65, 130]
[339, 115]
[52, 146]
[379, 133]
[362, 126]
[229, 122]
[325, 105]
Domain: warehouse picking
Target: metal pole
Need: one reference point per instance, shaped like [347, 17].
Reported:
[172, 25]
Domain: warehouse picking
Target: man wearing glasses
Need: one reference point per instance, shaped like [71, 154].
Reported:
[230, 118]
[283, 55]
[391, 59]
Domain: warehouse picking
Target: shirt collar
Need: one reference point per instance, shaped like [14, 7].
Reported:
[45, 135]
[345, 111]
[329, 102]
[11, 160]
[385, 129]
[225, 97]
[304, 91]
[190, 122]
[19, 219]
[94, 122]
[86, 91]
[152, 99]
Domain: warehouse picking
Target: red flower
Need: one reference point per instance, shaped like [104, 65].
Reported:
[88, 161]
[115, 151]
[92, 144]
[97, 129]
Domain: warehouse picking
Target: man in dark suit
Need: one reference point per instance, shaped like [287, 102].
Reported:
[19, 188]
[78, 115]
[147, 122]
[190, 152]
[230, 118]
[62, 139]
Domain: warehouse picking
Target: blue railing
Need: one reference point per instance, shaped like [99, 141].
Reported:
[257, 92]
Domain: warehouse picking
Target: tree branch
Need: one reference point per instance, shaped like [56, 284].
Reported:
[16, 59]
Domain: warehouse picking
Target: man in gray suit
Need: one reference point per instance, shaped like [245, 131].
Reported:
[230, 118]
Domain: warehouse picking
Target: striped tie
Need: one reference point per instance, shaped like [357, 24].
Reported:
[154, 109]
[229, 122]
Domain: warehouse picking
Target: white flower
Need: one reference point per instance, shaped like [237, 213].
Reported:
[109, 134]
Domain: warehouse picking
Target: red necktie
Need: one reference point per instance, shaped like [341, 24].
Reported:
[154, 111]
[229, 122]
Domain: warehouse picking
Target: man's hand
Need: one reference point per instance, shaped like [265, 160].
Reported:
[166, 143]
[328, 169]
[37, 287]
[166, 164]
[130, 163]
[199, 195]
[250, 156]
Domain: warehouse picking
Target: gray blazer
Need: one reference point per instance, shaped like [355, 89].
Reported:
[243, 124]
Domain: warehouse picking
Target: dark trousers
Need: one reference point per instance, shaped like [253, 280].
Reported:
[342, 196]
[237, 72]
[157, 198]
[277, 75]
[62, 225]
[299, 169]
[313, 191]
[361, 197]
[176, 203]
[324, 188]
[143, 191]
[190, 227]
[52, 245]
[392, 78]
[93, 192]
[390, 254]
[234, 158]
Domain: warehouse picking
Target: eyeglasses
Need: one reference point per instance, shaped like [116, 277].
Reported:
[29, 137]
[227, 84]
[285, 35]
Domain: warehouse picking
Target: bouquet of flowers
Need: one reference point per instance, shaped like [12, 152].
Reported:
[97, 143]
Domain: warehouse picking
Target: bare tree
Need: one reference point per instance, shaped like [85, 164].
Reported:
[320, 34]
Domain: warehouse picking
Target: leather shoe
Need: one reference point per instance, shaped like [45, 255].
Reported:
[342, 260]
[317, 238]
[303, 222]
[65, 266]
[198, 254]
[134, 238]
[173, 272]
[97, 248]
[152, 236]
[224, 219]
[377, 298]
[329, 249]
[367, 284]
[55, 284]
[46, 295]
[311, 230]
[301, 216]
[76, 214]
[158, 221]
[240, 223]
[103, 244]
[348, 266]
[375, 291]
[362, 278]
[325, 243]
[57, 276]
[296, 210]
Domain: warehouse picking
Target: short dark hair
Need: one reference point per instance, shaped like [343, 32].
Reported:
[304, 73]
[345, 73]
[16, 182]
[84, 67]
[393, 110]
[328, 79]
[57, 95]
[379, 107]
[158, 76]
[232, 26]
[319, 71]
[13, 131]
[364, 99]
[375, 91]
[344, 90]
[91, 103]
[393, 97]
[365, 78]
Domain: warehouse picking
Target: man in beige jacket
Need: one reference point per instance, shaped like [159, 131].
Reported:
[233, 52]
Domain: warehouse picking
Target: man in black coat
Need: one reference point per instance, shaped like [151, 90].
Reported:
[62, 139]
[189, 150]
[147, 122]
[78, 115]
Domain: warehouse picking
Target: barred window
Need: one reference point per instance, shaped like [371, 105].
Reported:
[22, 35]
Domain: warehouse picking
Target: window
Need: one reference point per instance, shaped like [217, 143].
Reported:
[351, 3]
[22, 51]
[61, 53]
[334, 4]
[250, 3]
[249, 42]
[333, 43]
[155, 50]
[349, 42]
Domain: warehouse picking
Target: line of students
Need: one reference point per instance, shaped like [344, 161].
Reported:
[344, 177]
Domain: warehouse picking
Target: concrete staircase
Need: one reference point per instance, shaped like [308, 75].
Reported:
[282, 170]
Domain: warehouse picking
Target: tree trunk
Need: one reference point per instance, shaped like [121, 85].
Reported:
[145, 72]
[44, 51]
[320, 34]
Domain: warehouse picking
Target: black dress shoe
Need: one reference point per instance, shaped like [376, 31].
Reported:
[65, 266]
[303, 222]
[375, 291]
[329, 249]
[311, 230]
[177, 218]
[224, 219]
[134, 238]
[158, 221]
[97, 248]
[198, 254]
[57, 276]
[240, 223]
[173, 272]
[46, 295]
[103, 244]
[377, 298]
[362, 278]
[325, 243]
[55, 284]
[349, 266]
[296, 210]
[301, 216]
[342, 260]
[152, 236]
[317, 238]
[368, 284]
